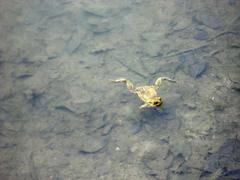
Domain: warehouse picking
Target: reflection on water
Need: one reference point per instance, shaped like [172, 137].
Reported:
[61, 118]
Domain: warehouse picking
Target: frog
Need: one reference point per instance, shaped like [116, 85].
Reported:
[147, 93]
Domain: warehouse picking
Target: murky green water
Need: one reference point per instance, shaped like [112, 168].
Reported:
[62, 119]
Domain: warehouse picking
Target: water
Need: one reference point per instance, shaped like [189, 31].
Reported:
[61, 118]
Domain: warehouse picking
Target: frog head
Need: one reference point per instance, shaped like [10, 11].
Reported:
[155, 102]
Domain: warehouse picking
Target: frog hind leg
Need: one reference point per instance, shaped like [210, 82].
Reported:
[160, 79]
[128, 83]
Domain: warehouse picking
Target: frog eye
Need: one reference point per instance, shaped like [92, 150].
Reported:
[156, 103]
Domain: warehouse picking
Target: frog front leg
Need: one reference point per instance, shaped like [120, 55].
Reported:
[128, 83]
[160, 79]
[143, 106]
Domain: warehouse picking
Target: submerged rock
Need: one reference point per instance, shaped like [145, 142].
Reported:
[235, 26]
[64, 109]
[136, 126]
[157, 161]
[99, 46]
[192, 65]
[6, 143]
[235, 81]
[191, 105]
[103, 9]
[75, 106]
[232, 2]
[180, 147]
[97, 122]
[178, 161]
[99, 26]
[22, 75]
[200, 34]
[75, 41]
[209, 19]
[91, 145]
[232, 174]
[33, 96]
[197, 69]
[107, 129]
[227, 156]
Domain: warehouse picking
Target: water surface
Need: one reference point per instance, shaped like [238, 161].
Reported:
[62, 119]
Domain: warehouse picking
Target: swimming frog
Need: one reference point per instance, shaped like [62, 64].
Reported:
[147, 94]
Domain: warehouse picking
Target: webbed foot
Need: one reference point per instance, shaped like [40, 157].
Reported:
[160, 79]
[128, 83]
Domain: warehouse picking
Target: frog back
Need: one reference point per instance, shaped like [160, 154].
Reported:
[146, 93]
